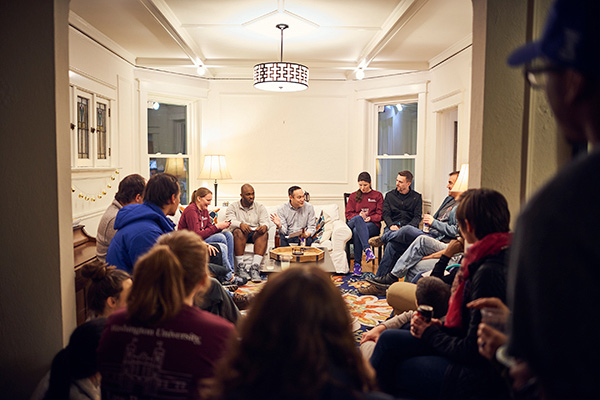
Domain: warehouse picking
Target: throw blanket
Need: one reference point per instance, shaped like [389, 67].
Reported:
[489, 245]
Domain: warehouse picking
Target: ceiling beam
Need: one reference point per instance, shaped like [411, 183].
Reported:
[167, 19]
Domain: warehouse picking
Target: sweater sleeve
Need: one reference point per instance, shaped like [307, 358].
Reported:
[351, 207]
[448, 229]
[263, 216]
[460, 345]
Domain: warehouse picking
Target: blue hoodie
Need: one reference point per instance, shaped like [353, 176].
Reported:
[138, 227]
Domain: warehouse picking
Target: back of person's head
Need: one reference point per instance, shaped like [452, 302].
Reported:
[160, 189]
[105, 282]
[292, 189]
[129, 188]
[199, 193]
[165, 276]
[485, 209]
[298, 330]
[407, 174]
[77, 360]
[433, 292]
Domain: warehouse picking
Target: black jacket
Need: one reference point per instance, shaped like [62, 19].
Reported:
[402, 209]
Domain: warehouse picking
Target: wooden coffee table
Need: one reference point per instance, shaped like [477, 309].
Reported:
[270, 265]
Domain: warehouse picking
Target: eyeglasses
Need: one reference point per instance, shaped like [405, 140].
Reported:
[537, 77]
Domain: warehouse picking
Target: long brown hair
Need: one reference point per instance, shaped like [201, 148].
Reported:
[297, 330]
[365, 177]
[165, 276]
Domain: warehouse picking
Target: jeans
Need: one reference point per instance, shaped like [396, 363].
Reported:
[421, 247]
[396, 243]
[361, 232]
[407, 366]
[226, 239]
[285, 242]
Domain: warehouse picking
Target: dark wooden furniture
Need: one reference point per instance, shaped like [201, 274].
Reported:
[84, 251]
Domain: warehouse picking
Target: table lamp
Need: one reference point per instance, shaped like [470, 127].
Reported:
[215, 167]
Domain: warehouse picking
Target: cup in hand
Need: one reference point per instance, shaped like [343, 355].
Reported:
[426, 312]
[494, 317]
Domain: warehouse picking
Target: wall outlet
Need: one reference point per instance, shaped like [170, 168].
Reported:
[225, 203]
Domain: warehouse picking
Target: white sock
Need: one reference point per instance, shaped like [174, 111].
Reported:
[257, 259]
[239, 260]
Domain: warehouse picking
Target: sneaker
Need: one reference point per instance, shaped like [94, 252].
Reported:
[369, 256]
[237, 280]
[383, 281]
[242, 301]
[244, 271]
[230, 287]
[372, 290]
[375, 241]
[357, 270]
[255, 273]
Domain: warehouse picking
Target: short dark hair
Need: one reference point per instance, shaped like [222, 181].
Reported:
[454, 173]
[432, 291]
[485, 209]
[129, 188]
[407, 174]
[160, 188]
[292, 189]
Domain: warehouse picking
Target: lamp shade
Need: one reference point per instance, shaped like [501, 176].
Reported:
[176, 167]
[462, 182]
[281, 77]
[215, 167]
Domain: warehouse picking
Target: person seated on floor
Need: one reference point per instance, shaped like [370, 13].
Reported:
[196, 218]
[441, 226]
[249, 224]
[108, 288]
[295, 343]
[130, 191]
[434, 360]
[429, 291]
[295, 219]
[74, 373]
[401, 295]
[160, 322]
[364, 212]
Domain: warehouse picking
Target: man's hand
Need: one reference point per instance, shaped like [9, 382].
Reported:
[428, 219]
[276, 220]
[454, 247]
[394, 228]
[223, 224]
[212, 250]
[373, 334]
[245, 228]
[262, 229]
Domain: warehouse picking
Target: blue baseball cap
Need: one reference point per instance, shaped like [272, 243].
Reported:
[571, 37]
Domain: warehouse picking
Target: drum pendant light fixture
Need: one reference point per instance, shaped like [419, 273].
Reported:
[281, 76]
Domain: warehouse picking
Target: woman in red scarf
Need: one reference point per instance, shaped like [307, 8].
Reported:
[435, 360]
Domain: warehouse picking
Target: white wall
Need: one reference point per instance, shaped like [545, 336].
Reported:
[319, 139]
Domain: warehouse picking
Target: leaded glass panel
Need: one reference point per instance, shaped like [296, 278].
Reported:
[83, 128]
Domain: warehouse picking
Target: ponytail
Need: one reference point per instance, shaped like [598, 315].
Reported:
[157, 293]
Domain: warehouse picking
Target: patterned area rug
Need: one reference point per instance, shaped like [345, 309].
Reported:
[366, 310]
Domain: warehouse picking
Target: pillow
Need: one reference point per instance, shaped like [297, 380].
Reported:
[214, 215]
[320, 229]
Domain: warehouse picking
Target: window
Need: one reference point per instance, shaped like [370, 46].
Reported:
[167, 142]
[396, 143]
[91, 130]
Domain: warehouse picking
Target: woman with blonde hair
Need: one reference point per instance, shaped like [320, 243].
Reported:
[196, 218]
[161, 346]
[296, 343]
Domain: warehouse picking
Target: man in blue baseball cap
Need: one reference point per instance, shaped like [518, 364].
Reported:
[547, 285]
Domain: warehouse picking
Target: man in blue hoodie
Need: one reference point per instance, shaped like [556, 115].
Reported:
[139, 225]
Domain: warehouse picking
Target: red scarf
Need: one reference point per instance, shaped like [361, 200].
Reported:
[489, 245]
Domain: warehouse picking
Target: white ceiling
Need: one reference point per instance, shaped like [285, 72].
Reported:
[331, 37]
